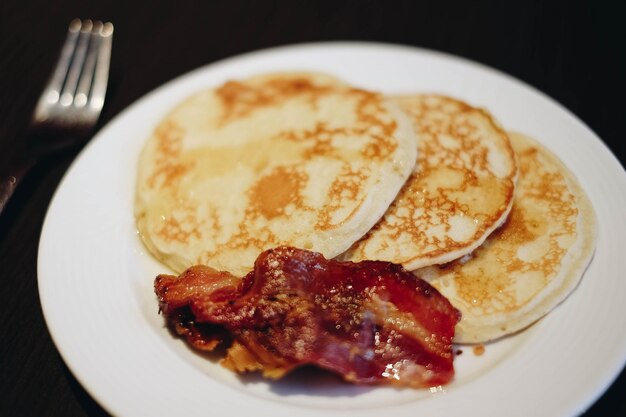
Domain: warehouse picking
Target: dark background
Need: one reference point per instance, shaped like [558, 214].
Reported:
[574, 51]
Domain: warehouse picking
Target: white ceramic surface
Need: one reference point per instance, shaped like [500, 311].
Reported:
[95, 277]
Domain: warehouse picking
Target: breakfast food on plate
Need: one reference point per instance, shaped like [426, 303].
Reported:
[251, 187]
[461, 190]
[533, 262]
[369, 322]
[297, 159]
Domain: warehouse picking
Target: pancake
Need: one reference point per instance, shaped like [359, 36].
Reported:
[297, 159]
[533, 262]
[461, 190]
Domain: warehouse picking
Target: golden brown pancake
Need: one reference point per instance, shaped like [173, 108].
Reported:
[530, 264]
[297, 159]
[461, 190]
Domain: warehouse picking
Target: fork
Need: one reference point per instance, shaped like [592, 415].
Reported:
[71, 103]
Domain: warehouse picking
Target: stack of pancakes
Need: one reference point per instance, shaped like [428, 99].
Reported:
[492, 219]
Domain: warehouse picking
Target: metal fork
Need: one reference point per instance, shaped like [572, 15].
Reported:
[71, 103]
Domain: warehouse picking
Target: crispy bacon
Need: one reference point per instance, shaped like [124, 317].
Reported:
[370, 322]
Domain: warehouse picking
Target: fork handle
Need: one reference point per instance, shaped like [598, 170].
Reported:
[12, 178]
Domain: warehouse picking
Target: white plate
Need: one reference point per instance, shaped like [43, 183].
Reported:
[95, 277]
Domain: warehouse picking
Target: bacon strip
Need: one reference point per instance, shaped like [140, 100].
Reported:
[370, 322]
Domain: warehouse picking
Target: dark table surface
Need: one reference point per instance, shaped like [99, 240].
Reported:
[573, 51]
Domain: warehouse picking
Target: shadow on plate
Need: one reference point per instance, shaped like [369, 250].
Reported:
[309, 381]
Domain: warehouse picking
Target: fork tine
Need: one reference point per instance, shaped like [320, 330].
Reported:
[101, 75]
[75, 93]
[86, 77]
[69, 89]
[53, 88]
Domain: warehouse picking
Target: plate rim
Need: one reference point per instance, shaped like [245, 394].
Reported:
[233, 60]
